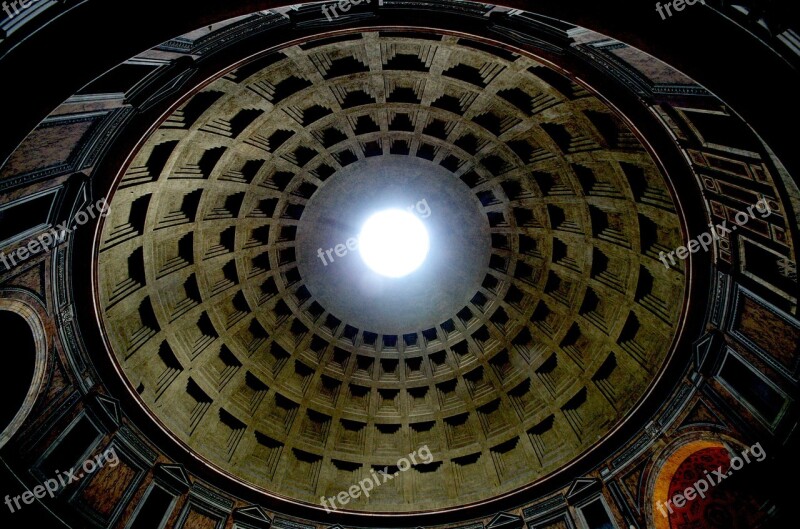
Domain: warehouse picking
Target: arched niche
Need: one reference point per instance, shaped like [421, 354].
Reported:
[25, 364]
[694, 457]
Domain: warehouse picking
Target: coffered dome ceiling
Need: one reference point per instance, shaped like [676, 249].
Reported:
[540, 322]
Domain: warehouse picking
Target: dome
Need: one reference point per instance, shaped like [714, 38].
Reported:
[508, 354]
[437, 264]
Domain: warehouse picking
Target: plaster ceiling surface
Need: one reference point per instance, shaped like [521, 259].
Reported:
[535, 327]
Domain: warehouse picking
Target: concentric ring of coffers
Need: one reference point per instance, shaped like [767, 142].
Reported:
[212, 322]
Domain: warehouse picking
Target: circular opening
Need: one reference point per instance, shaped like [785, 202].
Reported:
[393, 243]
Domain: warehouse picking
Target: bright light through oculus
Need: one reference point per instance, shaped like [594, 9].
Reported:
[393, 243]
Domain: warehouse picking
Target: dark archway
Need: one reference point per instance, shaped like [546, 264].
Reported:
[21, 354]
